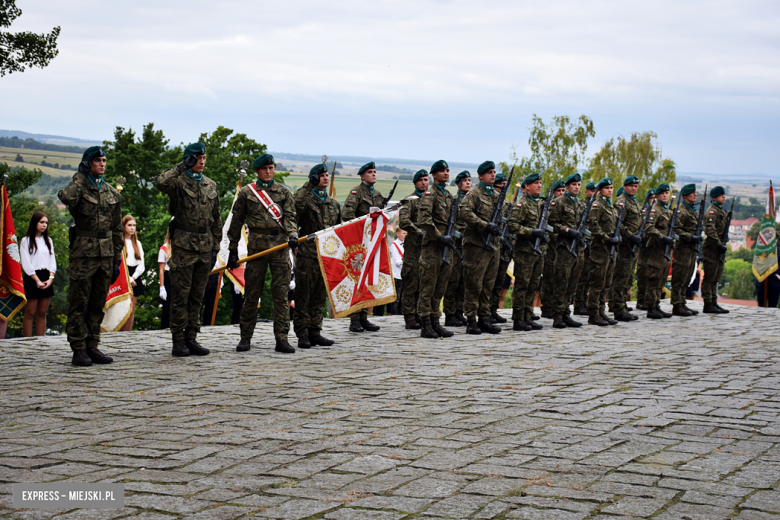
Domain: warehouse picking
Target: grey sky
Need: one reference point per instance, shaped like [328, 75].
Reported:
[458, 80]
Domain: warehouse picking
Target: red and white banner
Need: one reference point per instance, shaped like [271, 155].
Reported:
[12, 298]
[118, 305]
[355, 262]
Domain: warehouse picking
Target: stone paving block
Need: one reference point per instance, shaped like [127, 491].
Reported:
[361, 514]
[458, 506]
[635, 506]
[694, 512]
[530, 513]
[767, 501]
[297, 508]
[394, 503]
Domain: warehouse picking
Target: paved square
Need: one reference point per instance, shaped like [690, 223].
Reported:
[669, 419]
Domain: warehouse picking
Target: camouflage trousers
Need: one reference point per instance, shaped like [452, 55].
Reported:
[90, 279]
[528, 269]
[479, 271]
[583, 284]
[410, 274]
[682, 272]
[641, 274]
[498, 286]
[189, 274]
[456, 288]
[600, 279]
[548, 275]
[713, 270]
[279, 264]
[622, 280]
[434, 275]
[566, 277]
[310, 297]
[656, 279]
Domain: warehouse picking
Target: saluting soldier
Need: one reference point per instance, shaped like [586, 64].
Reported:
[196, 231]
[581, 294]
[714, 226]
[629, 233]
[432, 218]
[456, 288]
[548, 270]
[96, 243]
[503, 259]
[314, 211]
[657, 229]
[410, 272]
[268, 209]
[685, 250]
[641, 261]
[602, 220]
[480, 261]
[523, 221]
[565, 214]
[359, 202]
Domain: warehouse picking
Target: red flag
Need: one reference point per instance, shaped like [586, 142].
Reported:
[12, 298]
[118, 303]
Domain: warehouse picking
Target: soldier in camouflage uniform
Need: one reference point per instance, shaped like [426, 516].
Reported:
[453, 295]
[96, 244]
[657, 239]
[523, 221]
[265, 232]
[685, 250]
[548, 269]
[410, 272]
[480, 261]
[504, 258]
[626, 264]
[583, 284]
[565, 214]
[432, 218]
[641, 260]
[196, 232]
[314, 211]
[601, 224]
[359, 202]
[714, 225]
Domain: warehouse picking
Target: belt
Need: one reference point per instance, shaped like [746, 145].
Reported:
[92, 234]
[264, 231]
[193, 229]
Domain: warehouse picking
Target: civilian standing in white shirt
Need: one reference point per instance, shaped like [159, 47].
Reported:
[38, 264]
[397, 262]
[134, 259]
[163, 261]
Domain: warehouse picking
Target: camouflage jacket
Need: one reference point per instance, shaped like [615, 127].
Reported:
[264, 232]
[434, 213]
[96, 212]
[195, 208]
[714, 226]
[565, 212]
[633, 217]
[685, 226]
[524, 218]
[476, 210]
[407, 220]
[581, 205]
[602, 221]
[657, 227]
[360, 201]
[314, 215]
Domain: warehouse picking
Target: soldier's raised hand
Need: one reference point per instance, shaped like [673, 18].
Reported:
[190, 161]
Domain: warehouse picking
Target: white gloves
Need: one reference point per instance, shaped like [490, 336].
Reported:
[163, 293]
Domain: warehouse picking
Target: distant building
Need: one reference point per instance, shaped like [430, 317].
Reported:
[738, 231]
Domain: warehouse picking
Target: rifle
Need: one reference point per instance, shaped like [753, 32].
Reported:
[331, 185]
[450, 228]
[724, 240]
[386, 199]
[510, 250]
[581, 228]
[497, 213]
[543, 218]
[700, 223]
[641, 232]
[672, 222]
[614, 252]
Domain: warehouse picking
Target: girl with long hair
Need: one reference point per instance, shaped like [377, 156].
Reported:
[163, 259]
[134, 259]
[39, 266]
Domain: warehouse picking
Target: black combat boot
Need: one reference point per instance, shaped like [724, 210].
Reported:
[472, 327]
[427, 330]
[315, 338]
[411, 322]
[710, 308]
[521, 325]
[80, 358]
[608, 319]
[692, 311]
[303, 341]
[355, 326]
[581, 311]
[496, 317]
[534, 326]
[284, 347]
[663, 313]
[244, 345]
[623, 316]
[547, 313]
[642, 307]
[367, 325]
[179, 348]
[533, 317]
[680, 310]
[596, 319]
[629, 309]
[452, 320]
[195, 348]
[462, 318]
[721, 309]
[558, 322]
[441, 331]
[98, 357]
[485, 325]
[570, 322]
[654, 314]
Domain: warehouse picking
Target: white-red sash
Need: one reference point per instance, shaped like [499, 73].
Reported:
[399, 250]
[272, 207]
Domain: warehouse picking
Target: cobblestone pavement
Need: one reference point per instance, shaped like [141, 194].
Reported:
[670, 419]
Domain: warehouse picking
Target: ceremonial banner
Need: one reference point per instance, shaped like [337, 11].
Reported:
[234, 275]
[118, 301]
[12, 298]
[355, 263]
[765, 256]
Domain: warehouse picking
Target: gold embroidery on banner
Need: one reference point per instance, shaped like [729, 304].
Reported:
[352, 261]
[331, 245]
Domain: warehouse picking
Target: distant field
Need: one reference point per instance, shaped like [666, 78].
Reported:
[33, 158]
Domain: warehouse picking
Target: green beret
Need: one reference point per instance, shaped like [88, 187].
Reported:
[661, 188]
[590, 186]
[419, 175]
[194, 149]
[462, 175]
[603, 183]
[485, 166]
[439, 165]
[531, 178]
[316, 172]
[651, 191]
[558, 184]
[500, 177]
[263, 160]
[368, 166]
[619, 192]
[574, 177]
[717, 191]
[92, 152]
[631, 179]
[687, 189]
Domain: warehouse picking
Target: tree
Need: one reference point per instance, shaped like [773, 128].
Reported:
[24, 49]
[637, 155]
[738, 280]
[558, 148]
[19, 158]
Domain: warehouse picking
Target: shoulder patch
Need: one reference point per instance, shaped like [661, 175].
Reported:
[519, 205]
[427, 192]
[552, 204]
[712, 212]
[595, 205]
[354, 192]
[652, 211]
[620, 204]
